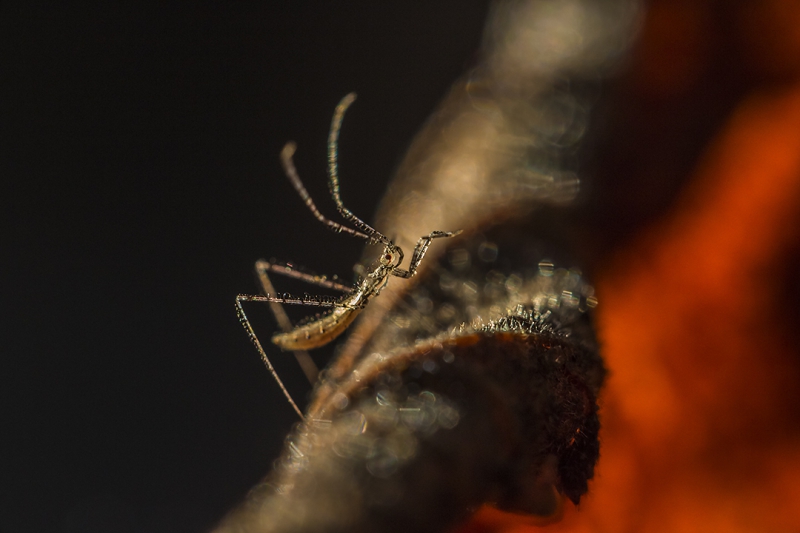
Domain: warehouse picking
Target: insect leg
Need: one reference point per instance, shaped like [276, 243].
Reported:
[286, 298]
[285, 270]
[419, 252]
[303, 359]
[252, 334]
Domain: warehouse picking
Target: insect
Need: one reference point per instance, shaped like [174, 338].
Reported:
[320, 331]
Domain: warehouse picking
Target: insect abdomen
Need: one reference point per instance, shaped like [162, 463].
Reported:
[318, 332]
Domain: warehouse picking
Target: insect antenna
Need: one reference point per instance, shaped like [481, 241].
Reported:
[333, 174]
[291, 172]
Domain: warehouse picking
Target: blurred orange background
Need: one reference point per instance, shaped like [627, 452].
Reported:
[699, 311]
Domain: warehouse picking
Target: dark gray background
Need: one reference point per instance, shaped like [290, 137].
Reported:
[140, 181]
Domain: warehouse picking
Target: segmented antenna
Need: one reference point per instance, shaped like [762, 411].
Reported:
[294, 177]
[333, 174]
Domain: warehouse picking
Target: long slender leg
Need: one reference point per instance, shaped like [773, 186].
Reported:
[333, 172]
[303, 358]
[294, 177]
[419, 252]
[286, 270]
[252, 334]
[286, 298]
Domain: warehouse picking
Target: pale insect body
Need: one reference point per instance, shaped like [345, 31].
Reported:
[321, 331]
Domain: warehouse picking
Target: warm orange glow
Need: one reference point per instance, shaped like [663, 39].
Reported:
[701, 412]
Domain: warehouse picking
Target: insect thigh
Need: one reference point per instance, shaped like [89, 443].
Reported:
[262, 267]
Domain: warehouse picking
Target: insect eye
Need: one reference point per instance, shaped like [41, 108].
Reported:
[388, 258]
